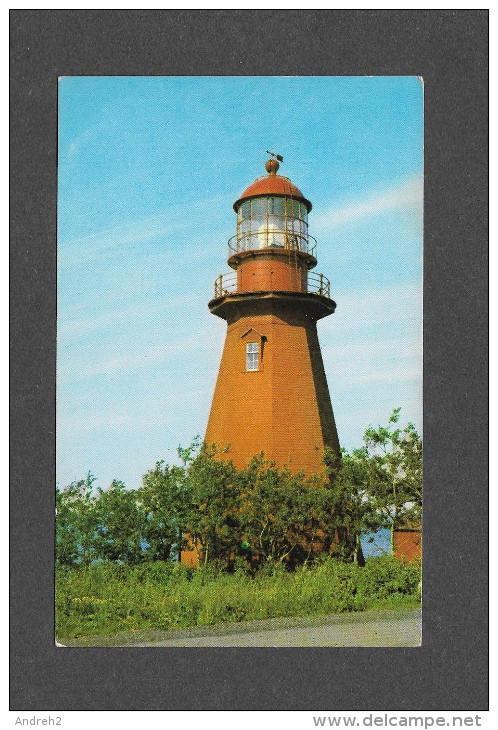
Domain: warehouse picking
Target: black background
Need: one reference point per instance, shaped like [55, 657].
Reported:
[448, 49]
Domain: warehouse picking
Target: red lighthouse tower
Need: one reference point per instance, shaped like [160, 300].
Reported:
[271, 395]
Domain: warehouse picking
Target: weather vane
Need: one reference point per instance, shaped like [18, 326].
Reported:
[273, 154]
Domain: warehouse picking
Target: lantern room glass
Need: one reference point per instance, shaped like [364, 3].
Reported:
[272, 222]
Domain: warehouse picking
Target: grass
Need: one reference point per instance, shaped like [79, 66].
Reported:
[106, 599]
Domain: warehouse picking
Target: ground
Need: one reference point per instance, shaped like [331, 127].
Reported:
[368, 628]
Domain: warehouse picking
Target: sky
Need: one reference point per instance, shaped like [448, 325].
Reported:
[149, 168]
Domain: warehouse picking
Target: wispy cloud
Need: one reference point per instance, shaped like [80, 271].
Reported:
[118, 238]
[93, 247]
[349, 374]
[375, 348]
[132, 360]
[153, 413]
[406, 196]
[375, 337]
[379, 361]
[401, 303]
[72, 325]
[86, 136]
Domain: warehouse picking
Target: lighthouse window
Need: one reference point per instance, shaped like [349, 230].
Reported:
[245, 210]
[276, 206]
[259, 207]
[293, 225]
[252, 356]
[245, 227]
[295, 209]
[275, 223]
[292, 208]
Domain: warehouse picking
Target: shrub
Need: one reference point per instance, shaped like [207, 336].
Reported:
[386, 577]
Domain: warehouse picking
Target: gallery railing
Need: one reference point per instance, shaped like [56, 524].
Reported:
[272, 239]
[227, 284]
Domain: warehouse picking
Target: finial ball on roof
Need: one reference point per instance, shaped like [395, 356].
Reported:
[272, 166]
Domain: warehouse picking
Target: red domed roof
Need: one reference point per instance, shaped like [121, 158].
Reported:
[272, 185]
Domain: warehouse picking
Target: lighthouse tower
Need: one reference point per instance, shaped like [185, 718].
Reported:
[271, 394]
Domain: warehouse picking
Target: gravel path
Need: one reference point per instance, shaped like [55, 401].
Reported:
[369, 628]
[389, 628]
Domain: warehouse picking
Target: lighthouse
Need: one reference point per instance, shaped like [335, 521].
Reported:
[271, 394]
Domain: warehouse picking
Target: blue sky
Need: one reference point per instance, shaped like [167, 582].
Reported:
[148, 170]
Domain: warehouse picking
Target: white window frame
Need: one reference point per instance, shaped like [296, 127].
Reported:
[252, 357]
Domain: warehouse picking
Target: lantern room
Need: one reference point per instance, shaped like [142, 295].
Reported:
[272, 248]
[272, 222]
[272, 213]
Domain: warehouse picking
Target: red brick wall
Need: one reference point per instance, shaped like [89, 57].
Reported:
[283, 409]
[408, 544]
[272, 273]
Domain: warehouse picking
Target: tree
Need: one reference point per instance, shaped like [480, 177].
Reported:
[351, 511]
[194, 506]
[164, 497]
[76, 522]
[270, 515]
[212, 518]
[394, 462]
[283, 515]
[121, 522]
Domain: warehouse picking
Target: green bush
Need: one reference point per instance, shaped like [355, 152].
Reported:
[387, 577]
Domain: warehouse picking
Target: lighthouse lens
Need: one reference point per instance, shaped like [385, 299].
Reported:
[275, 223]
